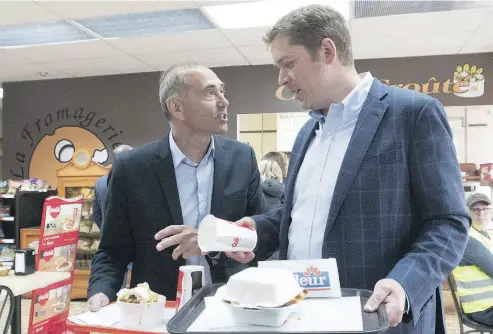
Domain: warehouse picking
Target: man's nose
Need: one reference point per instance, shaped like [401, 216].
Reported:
[222, 102]
[283, 78]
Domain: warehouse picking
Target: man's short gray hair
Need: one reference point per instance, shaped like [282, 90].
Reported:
[309, 25]
[122, 148]
[172, 84]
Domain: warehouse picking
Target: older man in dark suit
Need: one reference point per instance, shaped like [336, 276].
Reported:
[373, 180]
[159, 193]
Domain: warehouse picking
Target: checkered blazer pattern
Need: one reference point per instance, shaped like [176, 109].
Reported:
[398, 209]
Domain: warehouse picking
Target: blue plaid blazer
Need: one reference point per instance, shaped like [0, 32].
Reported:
[398, 209]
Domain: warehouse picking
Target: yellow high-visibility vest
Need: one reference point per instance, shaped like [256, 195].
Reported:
[474, 286]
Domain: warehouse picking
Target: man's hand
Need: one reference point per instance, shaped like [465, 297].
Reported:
[243, 257]
[392, 294]
[183, 236]
[97, 301]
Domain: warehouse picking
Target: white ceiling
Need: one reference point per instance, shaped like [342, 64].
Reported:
[452, 32]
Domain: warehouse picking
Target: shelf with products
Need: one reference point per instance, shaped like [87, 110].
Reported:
[78, 178]
[89, 233]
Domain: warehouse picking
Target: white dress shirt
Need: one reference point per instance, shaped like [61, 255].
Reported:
[318, 173]
[195, 182]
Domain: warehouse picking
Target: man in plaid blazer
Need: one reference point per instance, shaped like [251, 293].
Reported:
[373, 180]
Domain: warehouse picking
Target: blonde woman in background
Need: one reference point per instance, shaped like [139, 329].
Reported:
[281, 160]
[271, 177]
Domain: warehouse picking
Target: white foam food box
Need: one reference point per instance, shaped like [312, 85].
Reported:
[256, 296]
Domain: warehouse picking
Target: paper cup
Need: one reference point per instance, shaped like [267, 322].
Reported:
[218, 235]
[137, 315]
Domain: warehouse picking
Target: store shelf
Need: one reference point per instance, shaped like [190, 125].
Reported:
[7, 196]
[6, 219]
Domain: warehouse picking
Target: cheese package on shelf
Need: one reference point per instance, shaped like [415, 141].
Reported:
[320, 278]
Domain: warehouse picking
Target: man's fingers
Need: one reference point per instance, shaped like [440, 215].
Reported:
[376, 299]
[171, 241]
[177, 252]
[246, 222]
[170, 230]
[394, 314]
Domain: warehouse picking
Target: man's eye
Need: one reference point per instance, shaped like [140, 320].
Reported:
[288, 64]
[223, 91]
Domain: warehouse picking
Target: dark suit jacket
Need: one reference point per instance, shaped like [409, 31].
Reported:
[98, 206]
[143, 199]
[398, 209]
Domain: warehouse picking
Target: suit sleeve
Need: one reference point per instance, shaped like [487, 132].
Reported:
[116, 249]
[97, 215]
[440, 209]
[257, 203]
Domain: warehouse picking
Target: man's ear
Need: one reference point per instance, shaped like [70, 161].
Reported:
[175, 107]
[329, 50]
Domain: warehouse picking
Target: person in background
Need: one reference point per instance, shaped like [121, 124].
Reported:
[373, 179]
[474, 275]
[280, 159]
[160, 192]
[100, 193]
[272, 186]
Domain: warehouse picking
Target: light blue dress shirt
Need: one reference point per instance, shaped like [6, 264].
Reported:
[195, 182]
[318, 173]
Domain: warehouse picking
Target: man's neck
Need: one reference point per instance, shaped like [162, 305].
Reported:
[349, 80]
[194, 146]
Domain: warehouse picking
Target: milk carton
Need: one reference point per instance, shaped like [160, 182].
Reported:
[319, 277]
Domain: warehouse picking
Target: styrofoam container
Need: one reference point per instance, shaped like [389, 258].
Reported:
[261, 287]
[144, 314]
[271, 317]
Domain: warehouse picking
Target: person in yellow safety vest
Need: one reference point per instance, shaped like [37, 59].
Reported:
[474, 275]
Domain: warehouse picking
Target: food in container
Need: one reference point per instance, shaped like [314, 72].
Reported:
[262, 296]
[140, 306]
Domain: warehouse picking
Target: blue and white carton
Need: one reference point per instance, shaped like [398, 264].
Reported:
[320, 278]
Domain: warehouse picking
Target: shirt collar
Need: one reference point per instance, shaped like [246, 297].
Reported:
[352, 103]
[179, 157]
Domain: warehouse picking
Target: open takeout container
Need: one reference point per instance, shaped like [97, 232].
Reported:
[134, 315]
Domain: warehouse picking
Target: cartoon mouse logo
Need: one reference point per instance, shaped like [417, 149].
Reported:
[55, 150]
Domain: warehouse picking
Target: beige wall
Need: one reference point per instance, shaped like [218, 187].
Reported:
[259, 131]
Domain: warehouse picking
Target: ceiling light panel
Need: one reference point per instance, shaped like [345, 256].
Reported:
[143, 24]
[41, 33]
[266, 13]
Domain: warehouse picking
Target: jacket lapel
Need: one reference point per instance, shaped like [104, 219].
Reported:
[165, 171]
[221, 163]
[368, 121]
